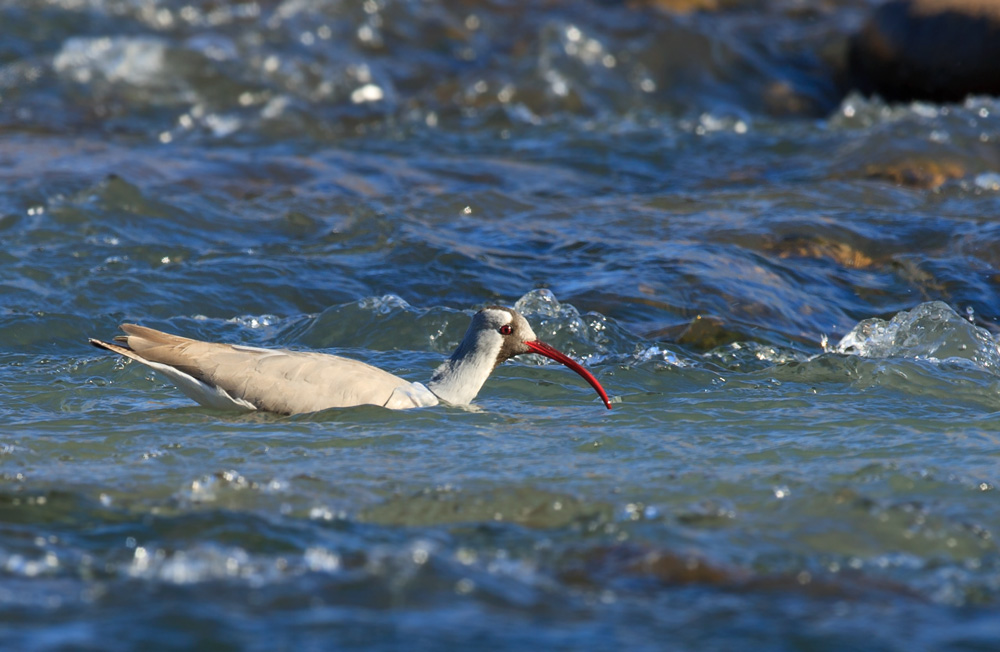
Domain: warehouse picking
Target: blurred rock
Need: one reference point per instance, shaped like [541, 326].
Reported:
[703, 333]
[781, 98]
[684, 6]
[707, 332]
[676, 569]
[593, 567]
[916, 172]
[938, 50]
[818, 247]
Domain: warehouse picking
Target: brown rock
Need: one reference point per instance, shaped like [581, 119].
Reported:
[938, 50]
[706, 332]
[676, 569]
[680, 6]
[782, 98]
[916, 172]
[842, 253]
[594, 567]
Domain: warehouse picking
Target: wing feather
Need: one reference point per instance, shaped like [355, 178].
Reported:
[276, 380]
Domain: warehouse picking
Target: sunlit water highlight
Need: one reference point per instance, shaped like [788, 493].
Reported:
[796, 325]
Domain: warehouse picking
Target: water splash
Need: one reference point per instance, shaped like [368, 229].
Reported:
[659, 354]
[255, 321]
[551, 319]
[133, 61]
[931, 331]
[385, 304]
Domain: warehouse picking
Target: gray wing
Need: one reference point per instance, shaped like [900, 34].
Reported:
[276, 380]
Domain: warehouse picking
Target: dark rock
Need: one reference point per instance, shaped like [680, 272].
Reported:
[938, 50]
[629, 565]
[680, 6]
[702, 333]
[706, 332]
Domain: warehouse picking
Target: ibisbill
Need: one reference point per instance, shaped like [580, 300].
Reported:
[232, 376]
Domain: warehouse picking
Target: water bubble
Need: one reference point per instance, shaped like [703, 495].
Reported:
[924, 110]
[275, 107]
[420, 553]
[988, 181]
[321, 514]
[367, 93]
[557, 83]
[321, 559]
[366, 34]
[251, 321]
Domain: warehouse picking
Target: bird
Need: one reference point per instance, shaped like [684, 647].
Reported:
[248, 378]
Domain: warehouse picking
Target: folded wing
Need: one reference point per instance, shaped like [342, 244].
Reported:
[276, 380]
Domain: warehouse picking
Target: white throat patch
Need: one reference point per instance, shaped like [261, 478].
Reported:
[460, 378]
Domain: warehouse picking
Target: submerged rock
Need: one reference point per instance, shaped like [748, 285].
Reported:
[916, 171]
[706, 332]
[938, 50]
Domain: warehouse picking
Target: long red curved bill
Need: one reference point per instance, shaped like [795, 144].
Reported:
[541, 348]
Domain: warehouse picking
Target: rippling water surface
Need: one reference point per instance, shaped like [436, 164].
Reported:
[790, 293]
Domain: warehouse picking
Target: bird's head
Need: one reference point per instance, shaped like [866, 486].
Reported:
[498, 334]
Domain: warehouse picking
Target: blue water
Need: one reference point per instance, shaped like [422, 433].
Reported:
[789, 293]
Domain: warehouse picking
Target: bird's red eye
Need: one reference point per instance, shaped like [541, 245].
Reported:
[506, 329]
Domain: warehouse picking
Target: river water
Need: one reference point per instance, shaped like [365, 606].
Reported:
[790, 294]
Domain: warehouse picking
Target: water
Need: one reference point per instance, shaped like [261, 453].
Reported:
[789, 293]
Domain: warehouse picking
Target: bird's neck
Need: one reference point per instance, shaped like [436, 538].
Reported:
[459, 379]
